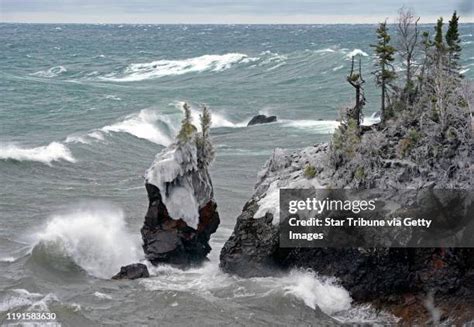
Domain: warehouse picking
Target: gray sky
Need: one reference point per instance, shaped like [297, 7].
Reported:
[224, 11]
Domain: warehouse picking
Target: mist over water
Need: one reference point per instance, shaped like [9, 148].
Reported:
[83, 112]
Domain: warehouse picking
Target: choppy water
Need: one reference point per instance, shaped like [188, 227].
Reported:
[83, 111]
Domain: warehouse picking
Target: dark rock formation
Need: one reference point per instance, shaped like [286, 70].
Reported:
[133, 271]
[262, 119]
[377, 275]
[170, 240]
[182, 213]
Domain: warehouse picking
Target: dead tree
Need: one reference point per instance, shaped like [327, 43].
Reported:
[408, 35]
[355, 79]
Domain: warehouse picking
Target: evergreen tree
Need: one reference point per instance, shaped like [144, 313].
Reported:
[426, 46]
[438, 39]
[204, 142]
[385, 73]
[187, 128]
[453, 42]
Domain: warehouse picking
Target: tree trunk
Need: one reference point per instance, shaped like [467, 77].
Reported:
[357, 111]
[382, 109]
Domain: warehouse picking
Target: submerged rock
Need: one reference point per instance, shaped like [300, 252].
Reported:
[182, 213]
[262, 119]
[133, 271]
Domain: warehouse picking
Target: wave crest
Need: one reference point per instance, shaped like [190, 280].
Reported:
[94, 237]
[163, 68]
[147, 124]
[54, 151]
[356, 52]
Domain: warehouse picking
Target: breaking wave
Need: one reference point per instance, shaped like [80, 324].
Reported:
[218, 120]
[93, 236]
[356, 52]
[162, 68]
[313, 290]
[54, 151]
[148, 124]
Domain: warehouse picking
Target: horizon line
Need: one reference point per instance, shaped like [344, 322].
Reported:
[206, 19]
[217, 24]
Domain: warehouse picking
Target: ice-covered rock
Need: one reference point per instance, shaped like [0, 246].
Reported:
[377, 275]
[182, 213]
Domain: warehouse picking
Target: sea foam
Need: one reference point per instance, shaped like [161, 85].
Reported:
[94, 236]
[54, 151]
[316, 291]
[162, 68]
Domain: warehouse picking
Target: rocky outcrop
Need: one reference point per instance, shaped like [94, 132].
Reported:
[133, 271]
[261, 119]
[182, 213]
[386, 276]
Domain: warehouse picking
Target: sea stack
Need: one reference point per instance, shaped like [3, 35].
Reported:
[182, 213]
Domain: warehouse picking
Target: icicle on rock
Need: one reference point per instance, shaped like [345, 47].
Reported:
[182, 213]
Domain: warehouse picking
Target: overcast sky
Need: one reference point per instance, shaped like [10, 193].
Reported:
[224, 11]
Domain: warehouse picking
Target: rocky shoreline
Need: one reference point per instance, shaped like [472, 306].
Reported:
[397, 280]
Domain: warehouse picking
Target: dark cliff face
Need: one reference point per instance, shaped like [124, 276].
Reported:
[169, 239]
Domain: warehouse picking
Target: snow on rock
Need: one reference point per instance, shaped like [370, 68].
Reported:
[173, 172]
[182, 213]
[285, 170]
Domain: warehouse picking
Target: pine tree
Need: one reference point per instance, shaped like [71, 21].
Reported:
[438, 39]
[205, 148]
[453, 42]
[187, 128]
[426, 46]
[385, 73]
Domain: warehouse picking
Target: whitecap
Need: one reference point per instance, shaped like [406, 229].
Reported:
[327, 50]
[163, 68]
[102, 296]
[76, 139]
[143, 125]
[113, 97]
[96, 135]
[218, 119]
[54, 151]
[338, 68]
[52, 72]
[356, 52]
[316, 126]
[7, 259]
